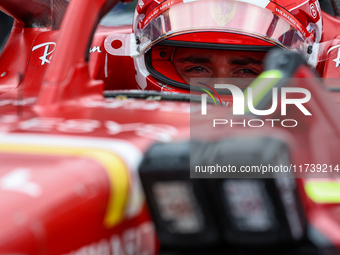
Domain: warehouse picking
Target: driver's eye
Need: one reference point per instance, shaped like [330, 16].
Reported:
[197, 69]
[247, 71]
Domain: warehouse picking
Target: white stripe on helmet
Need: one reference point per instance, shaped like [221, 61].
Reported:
[259, 3]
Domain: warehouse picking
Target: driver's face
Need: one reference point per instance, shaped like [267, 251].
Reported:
[205, 63]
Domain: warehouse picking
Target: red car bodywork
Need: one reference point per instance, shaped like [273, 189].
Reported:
[69, 157]
[26, 48]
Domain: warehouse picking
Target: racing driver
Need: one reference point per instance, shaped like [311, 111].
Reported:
[182, 39]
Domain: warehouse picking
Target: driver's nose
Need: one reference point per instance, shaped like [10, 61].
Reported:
[221, 66]
[221, 73]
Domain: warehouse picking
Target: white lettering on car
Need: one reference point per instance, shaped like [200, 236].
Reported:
[155, 131]
[94, 49]
[139, 240]
[337, 59]
[18, 180]
[47, 51]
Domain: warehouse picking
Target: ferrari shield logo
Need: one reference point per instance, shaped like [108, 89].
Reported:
[222, 12]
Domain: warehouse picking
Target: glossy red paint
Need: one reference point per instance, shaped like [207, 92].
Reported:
[53, 136]
[58, 151]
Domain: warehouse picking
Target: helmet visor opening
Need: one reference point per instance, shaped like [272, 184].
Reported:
[176, 66]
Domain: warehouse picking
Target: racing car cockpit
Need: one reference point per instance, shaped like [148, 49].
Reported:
[113, 45]
[53, 110]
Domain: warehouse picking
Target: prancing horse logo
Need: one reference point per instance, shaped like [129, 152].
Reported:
[222, 13]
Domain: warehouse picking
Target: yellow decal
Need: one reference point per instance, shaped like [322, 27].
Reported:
[223, 12]
[114, 166]
[120, 97]
[323, 191]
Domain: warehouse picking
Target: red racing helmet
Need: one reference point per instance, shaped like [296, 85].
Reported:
[162, 27]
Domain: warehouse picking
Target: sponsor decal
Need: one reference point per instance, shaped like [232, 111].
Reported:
[47, 51]
[140, 105]
[49, 48]
[24, 101]
[284, 14]
[95, 48]
[133, 241]
[154, 131]
[337, 59]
